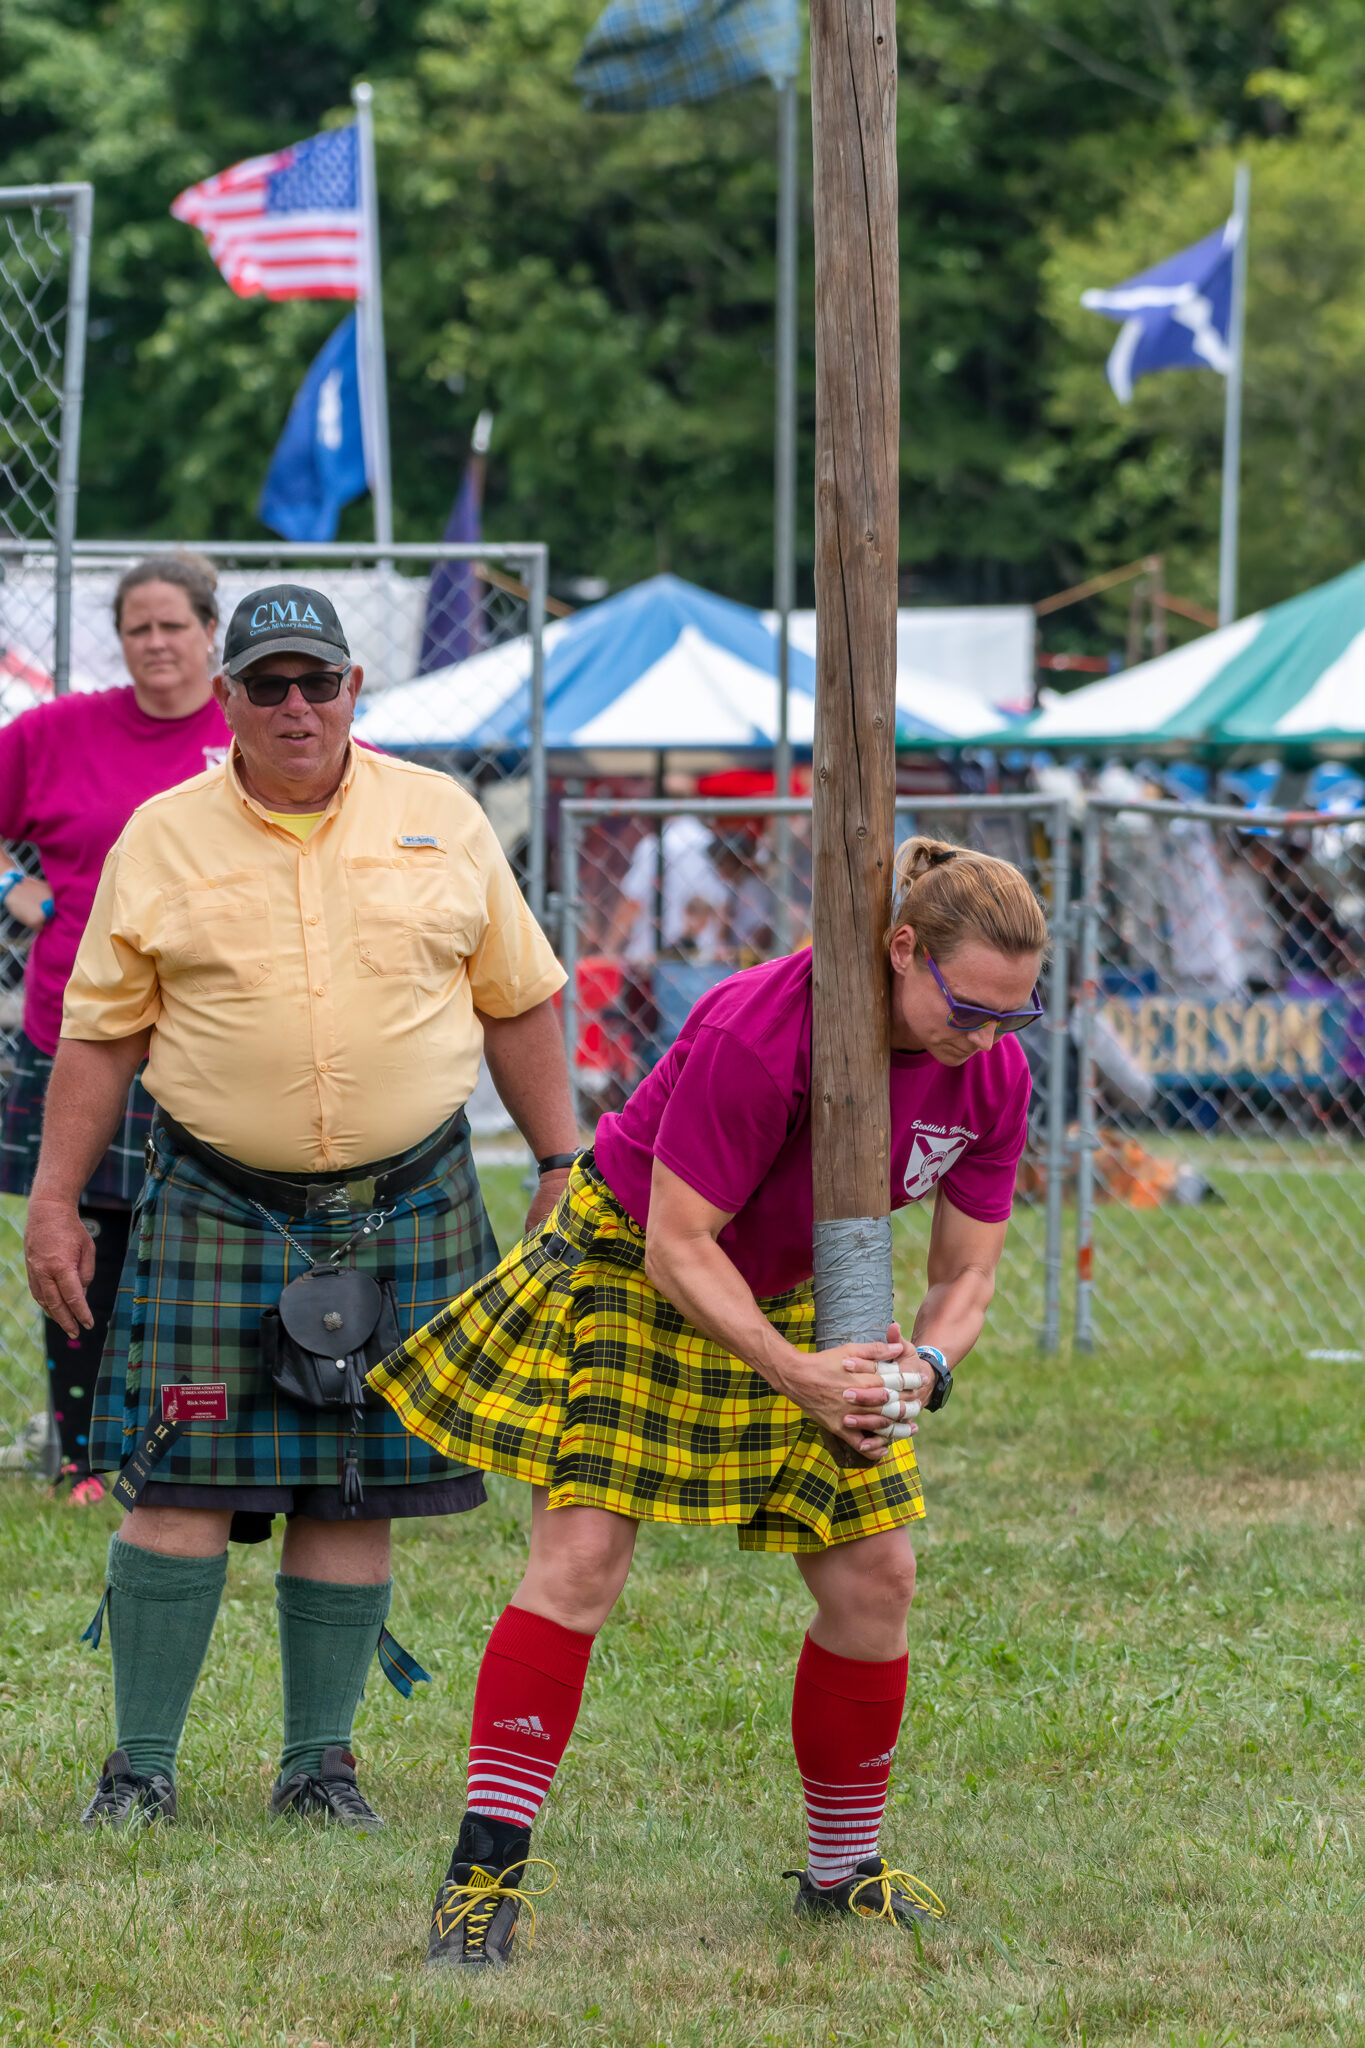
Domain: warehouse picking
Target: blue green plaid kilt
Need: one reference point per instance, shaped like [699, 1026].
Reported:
[117, 1180]
[201, 1268]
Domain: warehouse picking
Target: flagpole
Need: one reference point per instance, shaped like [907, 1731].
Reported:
[1232, 407]
[370, 326]
[784, 482]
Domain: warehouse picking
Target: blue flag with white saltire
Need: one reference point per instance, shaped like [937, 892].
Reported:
[1175, 316]
[655, 53]
[319, 461]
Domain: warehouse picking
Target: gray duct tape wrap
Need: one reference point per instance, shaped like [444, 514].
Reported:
[852, 1280]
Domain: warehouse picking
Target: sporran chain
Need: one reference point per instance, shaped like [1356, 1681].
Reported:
[374, 1222]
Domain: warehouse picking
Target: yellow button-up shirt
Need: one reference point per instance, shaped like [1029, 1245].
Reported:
[312, 1002]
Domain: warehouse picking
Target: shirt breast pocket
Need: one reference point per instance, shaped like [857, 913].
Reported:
[411, 920]
[218, 933]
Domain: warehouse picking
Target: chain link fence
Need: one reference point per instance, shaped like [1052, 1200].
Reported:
[44, 291]
[1216, 1085]
[643, 939]
[44, 296]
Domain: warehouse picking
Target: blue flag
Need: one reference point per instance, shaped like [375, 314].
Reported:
[1175, 316]
[319, 461]
[655, 53]
[453, 627]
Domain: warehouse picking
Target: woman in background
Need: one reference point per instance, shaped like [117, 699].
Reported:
[72, 772]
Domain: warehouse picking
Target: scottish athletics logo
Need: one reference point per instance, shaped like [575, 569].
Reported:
[932, 1152]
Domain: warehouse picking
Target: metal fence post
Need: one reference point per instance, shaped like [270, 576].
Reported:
[1083, 1335]
[568, 946]
[537, 580]
[1058, 1024]
[79, 213]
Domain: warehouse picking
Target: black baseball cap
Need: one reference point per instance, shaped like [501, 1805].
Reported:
[285, 618]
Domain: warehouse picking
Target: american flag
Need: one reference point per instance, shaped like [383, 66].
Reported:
[287, 225]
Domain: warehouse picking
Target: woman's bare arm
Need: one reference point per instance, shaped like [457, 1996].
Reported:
[963, 1256]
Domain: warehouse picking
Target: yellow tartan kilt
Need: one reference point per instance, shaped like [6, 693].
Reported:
[566, 1368]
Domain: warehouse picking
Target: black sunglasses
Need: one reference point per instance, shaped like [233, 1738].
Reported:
[318, 686]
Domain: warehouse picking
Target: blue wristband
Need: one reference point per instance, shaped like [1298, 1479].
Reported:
[49, 906]
[10, 881]
[932, 1351]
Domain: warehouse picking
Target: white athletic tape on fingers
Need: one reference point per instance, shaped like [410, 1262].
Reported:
[899, 1431]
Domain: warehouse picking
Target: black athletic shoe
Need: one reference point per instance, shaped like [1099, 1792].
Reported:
[123, 1799]
[874, 1892]
[474, 1919]
[333, 1793]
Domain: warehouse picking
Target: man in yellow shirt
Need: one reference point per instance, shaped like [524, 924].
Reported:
[310, 946]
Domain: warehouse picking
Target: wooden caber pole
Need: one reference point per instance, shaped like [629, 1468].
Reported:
[857, 371]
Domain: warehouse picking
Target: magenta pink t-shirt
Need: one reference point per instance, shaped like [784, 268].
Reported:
[71, 775]
[728, 1110]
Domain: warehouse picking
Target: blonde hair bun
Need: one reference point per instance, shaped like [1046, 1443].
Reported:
[948, 893]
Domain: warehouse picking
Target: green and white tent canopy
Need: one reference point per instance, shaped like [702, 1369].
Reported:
[1290, 680]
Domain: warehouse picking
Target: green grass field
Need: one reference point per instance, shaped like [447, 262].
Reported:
[1131, 1763]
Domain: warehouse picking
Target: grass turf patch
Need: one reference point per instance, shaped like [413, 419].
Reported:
[1130, 1762]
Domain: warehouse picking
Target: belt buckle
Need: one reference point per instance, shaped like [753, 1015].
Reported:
[328, 1199]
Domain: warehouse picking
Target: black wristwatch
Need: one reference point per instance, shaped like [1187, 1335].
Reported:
[943, 1377]
[555, 1162]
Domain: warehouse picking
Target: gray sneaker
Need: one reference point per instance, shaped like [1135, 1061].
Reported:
[123, 1799]
[874, 1892]
[333, 1793]
[474, 1919]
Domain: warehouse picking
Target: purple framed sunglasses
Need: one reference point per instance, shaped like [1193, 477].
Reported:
[972, 1016]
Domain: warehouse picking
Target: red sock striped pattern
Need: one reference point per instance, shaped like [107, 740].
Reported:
[845, 1720]
[525, 1705]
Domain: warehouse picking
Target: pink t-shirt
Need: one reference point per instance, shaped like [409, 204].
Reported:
[71, 775]
[728, 1110]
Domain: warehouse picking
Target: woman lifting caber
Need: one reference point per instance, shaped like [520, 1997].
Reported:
[646, 1356]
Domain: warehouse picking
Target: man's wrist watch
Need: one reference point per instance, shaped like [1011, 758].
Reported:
[943, 1378]
[555, 1162]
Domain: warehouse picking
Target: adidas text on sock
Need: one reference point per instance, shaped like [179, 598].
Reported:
[525, 1706]
[846, 1716]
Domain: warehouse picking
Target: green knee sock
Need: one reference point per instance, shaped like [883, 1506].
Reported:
[328, 1636]
[161, 1613]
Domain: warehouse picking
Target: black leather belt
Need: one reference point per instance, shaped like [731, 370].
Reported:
[357, 1187]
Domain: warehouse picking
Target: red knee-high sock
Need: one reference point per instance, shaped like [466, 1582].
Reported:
[845, 1720]
[525, 1705]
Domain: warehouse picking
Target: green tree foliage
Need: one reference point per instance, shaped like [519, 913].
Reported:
[605, 283]
[1147, 476]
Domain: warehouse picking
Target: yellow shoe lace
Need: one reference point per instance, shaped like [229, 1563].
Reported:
[481, 1896]
[887, 1881]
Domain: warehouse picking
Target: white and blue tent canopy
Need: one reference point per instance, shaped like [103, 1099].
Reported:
[662, 666]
